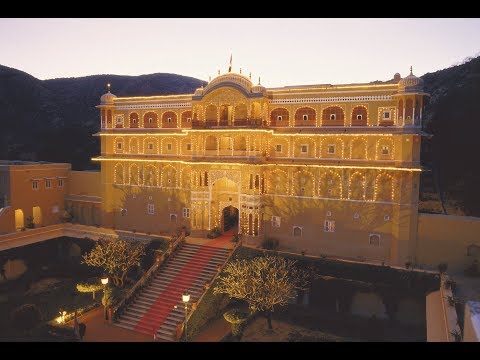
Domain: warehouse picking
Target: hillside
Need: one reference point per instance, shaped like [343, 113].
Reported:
[53, 120]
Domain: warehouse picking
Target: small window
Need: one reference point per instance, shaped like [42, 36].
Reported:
[123, 212]
[150, 120]
[60, 182]
[329, 213]
[150, 197]
[276, 220]
[186, 212]
[48, 184]
[386, 217]
[150, 146]
[55, 209]
[119, 120]
[374, 240]
[385, 150]
[356, 216]
[173, 218]
[278, 148]
[333, 117]
[189, 119]
[304, 149]
[386, 115]
[151, 209]
[305, 117]
[134, 121]
[35, 184]
[279, 118]
[169, 120]
[331, 149]
[169, 146]
[359, 117]
[329, 226]
[297, 231]
[119, 145]
[189, 147]
[329, 191]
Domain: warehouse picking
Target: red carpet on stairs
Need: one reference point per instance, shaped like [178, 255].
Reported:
[161, 308]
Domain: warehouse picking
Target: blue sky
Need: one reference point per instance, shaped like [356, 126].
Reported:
[281, 51]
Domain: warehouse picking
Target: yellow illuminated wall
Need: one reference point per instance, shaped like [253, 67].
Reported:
[325, 169]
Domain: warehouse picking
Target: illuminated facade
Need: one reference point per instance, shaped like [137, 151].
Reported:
[325, 169]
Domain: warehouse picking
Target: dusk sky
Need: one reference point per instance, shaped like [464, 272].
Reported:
[281, 51]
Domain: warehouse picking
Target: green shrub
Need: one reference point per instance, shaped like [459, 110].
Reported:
[270, 244]
[26, 317]
[237, 318]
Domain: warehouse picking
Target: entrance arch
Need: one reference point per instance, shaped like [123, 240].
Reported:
[19, 219]
[37, 215]
[224, 203]
[230, 217]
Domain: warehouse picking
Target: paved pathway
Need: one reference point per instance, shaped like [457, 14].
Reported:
[98, 329]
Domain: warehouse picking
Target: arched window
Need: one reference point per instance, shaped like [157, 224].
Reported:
[359, 116]
[133, 120]
[150, 120]
[333, 116]
[169, 120]
[305, 117]
[279, 117]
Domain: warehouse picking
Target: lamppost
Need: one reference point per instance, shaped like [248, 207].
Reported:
[186, 299]
[105, 282]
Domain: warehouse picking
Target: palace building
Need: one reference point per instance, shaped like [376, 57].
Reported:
[324, 169]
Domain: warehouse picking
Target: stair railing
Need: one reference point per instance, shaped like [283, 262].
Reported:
[181, 326]
[146, 278]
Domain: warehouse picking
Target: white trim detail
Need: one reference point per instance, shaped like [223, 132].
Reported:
[332, 99]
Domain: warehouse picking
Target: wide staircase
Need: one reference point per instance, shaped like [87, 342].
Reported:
[158, 308]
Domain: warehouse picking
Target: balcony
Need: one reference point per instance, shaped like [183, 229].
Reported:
[208, 124]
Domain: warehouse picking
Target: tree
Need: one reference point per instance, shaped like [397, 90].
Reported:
[92, 285]
[263, 282]
[116, 257]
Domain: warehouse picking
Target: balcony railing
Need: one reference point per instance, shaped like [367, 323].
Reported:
[253, 123]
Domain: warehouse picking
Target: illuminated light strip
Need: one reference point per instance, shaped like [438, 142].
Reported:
[337, 199]
[153, 106]
[186, 131]
[250, 164]
[332, 99]
[153, 97]
[333, 87]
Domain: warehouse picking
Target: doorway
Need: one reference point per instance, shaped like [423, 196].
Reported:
[230, 218]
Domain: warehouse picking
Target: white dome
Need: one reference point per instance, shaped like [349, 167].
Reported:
[107, 98]
[411, 83]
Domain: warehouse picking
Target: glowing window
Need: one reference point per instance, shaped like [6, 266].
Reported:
[150, 120]
[169, 119]
[279, 118]
[305, 117]
[151, 209]
[359, 117]
[329, 226]
[333, 117]
[276, 220]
